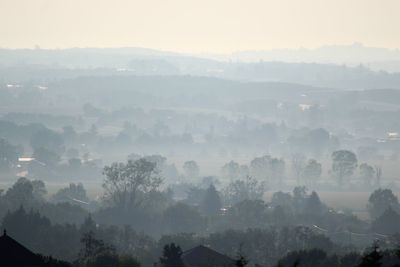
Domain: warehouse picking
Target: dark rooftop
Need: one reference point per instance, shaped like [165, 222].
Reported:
[203, 256]
[13, 253]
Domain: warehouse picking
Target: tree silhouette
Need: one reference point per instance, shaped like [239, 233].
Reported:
[373, 258]
[312, 171]
[8, 154]
[241, 260]
[367, 173]
[212, 202]
[267, 168]
[248, 188]
[126, 184]
[387, 223]
[380, 200]
[172, 256]
[313, 204]
[230, 170]
[93, 247]
[344, 163]
[191, 169]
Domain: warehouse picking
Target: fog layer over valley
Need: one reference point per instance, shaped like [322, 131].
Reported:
[146, 153]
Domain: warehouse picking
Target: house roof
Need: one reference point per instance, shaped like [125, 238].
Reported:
[13, 253]
[203, 256]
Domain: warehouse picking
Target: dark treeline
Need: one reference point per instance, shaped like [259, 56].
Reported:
[137, 217]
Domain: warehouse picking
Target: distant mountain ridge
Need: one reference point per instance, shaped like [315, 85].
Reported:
[375, 58]
[42, 64]
[354, 54]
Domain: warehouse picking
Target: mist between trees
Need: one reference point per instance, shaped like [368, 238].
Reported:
[125, 167]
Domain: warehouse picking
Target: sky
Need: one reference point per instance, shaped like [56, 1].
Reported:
[199, 26]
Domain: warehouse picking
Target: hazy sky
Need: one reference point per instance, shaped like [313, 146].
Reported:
[217, 26]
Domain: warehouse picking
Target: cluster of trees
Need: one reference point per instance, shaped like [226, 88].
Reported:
[372, 257]
[67, 153]
[134, 194]
[66, 205]
[272, 171]
[91, 244]
[210, 213]
[132, 190]
[54, 154]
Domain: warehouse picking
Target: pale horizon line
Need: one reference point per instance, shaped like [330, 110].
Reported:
[299, 48]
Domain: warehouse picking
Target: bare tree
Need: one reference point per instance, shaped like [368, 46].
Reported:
[126, 185]
[248, 188]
